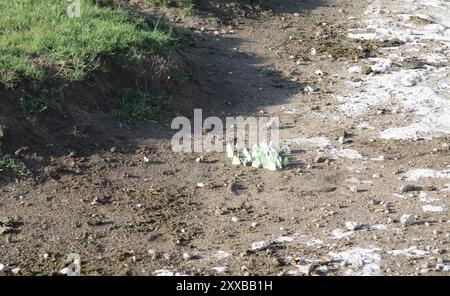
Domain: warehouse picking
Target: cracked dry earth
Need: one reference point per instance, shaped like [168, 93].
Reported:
[362, 90]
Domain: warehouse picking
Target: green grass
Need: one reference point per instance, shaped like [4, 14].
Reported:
[38, 41]
[136, 105]
[11, 165]
[38, 102]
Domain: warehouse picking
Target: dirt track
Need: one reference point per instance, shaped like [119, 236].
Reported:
[124, 215]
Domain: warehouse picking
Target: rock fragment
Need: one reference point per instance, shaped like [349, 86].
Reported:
[259, 246]
[408, 219]
[2, 131]
[409, 188]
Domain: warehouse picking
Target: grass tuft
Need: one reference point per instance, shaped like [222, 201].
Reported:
[37, 103]
[14, 166]
[136, 105]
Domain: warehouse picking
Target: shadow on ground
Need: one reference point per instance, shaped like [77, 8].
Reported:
[216, 75]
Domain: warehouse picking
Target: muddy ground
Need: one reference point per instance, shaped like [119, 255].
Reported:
[128, 205]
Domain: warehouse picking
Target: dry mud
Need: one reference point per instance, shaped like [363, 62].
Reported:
[373, 72]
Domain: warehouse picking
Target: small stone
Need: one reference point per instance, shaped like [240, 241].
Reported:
[433, 209]
[154, 254]
[254, 224]
[382, 158]
[409, 187]
[277, 262]
[408, 219]
[309, 89]
[303, 266]
[343, 140]
[146, 159]
[353, 188]
[354, 69]
[187, 256]
[320, 159]
[45, 256]
[424, 271]
[366, 70]
[323, 269]
[235, 219]
[352, 225]
[259, 246]
[197, 34]
[2, 131]
[19, 152]
[375, 201]
[6, 230]
[15, 271]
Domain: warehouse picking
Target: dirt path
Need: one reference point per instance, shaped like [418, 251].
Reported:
[365, 148]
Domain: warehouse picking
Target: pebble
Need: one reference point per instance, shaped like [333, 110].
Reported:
[320, 159]
[154, 254]
[235, 219]
[187, 256]
[259, 246]
[197, 34]
[255, 224]
[409, 188]
[323, 269]
[304, 267]
[19, 152]
[318, 72]
[408, 219]
[15, 271]
[309, 89]
[352, 225]
[353, 188]
[355, 69]
[343, 140]
[2, 131]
